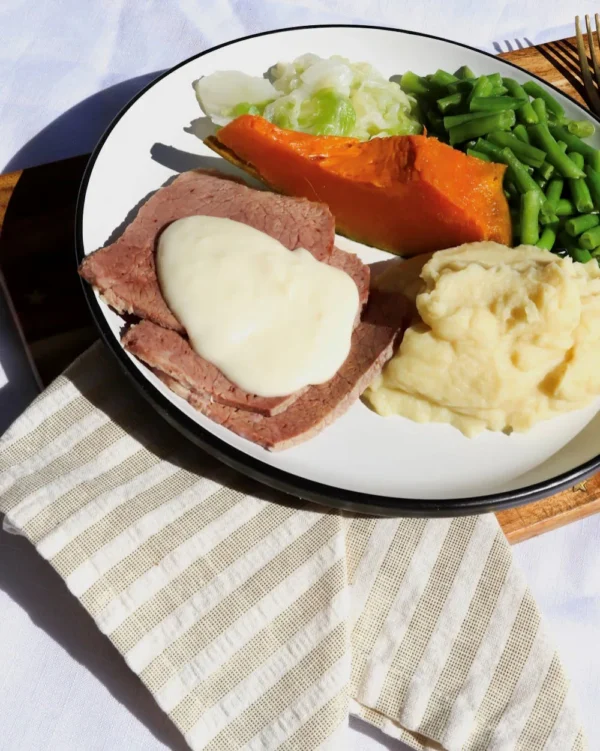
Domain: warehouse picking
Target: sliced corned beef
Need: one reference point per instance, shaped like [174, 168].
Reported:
[171, 353]
[317, 406]
[124, 273]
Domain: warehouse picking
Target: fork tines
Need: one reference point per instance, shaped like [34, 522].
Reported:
[590, 88]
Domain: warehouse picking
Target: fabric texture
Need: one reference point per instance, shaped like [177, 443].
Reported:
[258, 622]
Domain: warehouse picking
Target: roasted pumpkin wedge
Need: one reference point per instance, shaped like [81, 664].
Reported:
[405, 194]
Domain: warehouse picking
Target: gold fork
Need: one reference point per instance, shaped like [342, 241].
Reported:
[592, 92]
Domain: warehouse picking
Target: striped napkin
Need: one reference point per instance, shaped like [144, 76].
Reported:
[258, 622]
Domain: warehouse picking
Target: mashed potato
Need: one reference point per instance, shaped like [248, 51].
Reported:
[504, 337]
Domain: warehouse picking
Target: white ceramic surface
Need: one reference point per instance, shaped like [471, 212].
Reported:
[363, 452]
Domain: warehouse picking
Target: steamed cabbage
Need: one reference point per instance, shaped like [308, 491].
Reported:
[313, 95]
[227, 94]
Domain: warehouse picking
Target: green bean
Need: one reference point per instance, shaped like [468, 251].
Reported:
[494, 103]
[478, 155]
[547, 213]
[523, 151]
[509, 188]
[495, 79]
[543, 138]
[483, 87]
[554, 191]
[450, 102]
[596, 252]
[442, 78]
[581, 128]
[451, 120]
[579, 224]
[580, 255]
[562, 146]
[495, 154]
[432, 118]
[590, 239]
[546, 170]
[490, 149]
[411, 83]
[541, 181]
[463, 86]
[564, 207]
[464, 72]
[592, 179]
[499, 91]
[589, 153]
[436, 124]
[567, 242]
[579, 190]
[520, 131]
[515, 88]
[526, 114]
[539, 107]
[481, 126]
[576, 158]
[535, 90]
[530, 210]
[523, 181]
[548, 236]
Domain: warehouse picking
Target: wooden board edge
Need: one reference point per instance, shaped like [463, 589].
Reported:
[8, 182]
[515, 534]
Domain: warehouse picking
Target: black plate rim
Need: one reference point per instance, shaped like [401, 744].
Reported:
[320, 493]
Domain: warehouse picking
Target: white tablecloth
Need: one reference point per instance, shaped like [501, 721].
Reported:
[66, 67]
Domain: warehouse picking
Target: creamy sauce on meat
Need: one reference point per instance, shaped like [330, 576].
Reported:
[272, 320]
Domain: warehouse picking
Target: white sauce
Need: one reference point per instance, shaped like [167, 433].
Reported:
[272, 320]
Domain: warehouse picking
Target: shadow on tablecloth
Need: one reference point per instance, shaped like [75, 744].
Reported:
[29, 581]
[78, 130]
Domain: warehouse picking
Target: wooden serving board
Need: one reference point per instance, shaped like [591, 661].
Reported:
[37, 216]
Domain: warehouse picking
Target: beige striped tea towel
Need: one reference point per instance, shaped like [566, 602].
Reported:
[258, 622]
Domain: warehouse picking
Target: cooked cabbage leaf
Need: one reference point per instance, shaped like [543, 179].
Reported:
[313, 95]
[229, 93]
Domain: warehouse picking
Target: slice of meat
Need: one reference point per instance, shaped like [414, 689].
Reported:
[169, 352]
[373, 343]
[124, 273]
[355, 268]
[172, 354]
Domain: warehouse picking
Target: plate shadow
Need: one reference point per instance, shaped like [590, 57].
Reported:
[78, 129]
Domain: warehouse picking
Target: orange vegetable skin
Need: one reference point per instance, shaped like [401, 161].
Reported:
[405, 194]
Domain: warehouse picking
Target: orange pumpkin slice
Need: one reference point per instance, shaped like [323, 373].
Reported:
[405, 194]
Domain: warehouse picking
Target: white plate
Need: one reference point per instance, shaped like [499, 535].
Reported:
[362, 461]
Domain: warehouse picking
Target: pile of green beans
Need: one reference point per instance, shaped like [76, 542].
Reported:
[552, 180]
